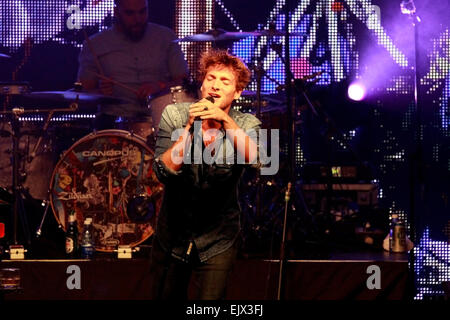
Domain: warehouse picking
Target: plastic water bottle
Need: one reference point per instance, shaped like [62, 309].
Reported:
[87, 240]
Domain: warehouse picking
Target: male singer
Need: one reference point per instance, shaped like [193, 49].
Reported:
[198, 225]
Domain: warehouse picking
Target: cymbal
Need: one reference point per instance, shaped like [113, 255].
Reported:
[274, 33]
[4, 56]
[73, 96]
[222, 35]
[215, 35]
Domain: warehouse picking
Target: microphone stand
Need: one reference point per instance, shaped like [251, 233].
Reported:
[259, 74]
[416, 170]
[298, 86]
[291, 143]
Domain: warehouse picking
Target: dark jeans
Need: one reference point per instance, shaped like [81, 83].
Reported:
[171, 277]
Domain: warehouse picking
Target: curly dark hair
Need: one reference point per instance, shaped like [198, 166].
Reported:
[215, 57]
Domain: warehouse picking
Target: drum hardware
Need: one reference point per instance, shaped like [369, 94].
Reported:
[259, 217]
[16, 252]
[45, 203]
[125, 252]
[18, 206]
[44, 129]
[18, 189]
[275, 33]
[259, 73]
[173, 90]
[296, 89]
[4, 56]
[215, 35]
[72, 108]
[78, 87]
[259, 103]
[223, 35]
[292, 89]
[79, 98]
[14, 88]
[141, 208]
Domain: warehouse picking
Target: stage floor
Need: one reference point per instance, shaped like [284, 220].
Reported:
[344, 276]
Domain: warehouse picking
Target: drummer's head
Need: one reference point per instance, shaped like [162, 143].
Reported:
[132, 17]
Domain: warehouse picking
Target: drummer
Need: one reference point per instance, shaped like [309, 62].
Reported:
[141, 59]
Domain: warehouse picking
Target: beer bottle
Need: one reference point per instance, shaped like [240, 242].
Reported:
[72, 236]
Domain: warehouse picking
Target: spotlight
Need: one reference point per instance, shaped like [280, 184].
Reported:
[356, 91]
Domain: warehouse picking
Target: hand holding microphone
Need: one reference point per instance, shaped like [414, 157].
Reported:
[200, 109]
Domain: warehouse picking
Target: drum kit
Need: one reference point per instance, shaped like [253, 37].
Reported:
[106, 175]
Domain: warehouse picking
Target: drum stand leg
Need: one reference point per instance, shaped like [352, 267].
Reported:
[47, 205]
[18, 208]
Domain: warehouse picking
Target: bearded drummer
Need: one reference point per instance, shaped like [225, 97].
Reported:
[137, 54]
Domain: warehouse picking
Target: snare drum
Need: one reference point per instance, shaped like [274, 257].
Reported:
[108, 177]
[157, 104]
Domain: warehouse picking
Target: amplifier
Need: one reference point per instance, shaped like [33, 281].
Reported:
[318, 172]
[365, 194]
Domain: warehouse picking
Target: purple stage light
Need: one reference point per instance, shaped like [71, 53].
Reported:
[356, 91]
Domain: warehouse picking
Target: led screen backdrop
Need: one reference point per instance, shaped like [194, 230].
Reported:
[369, 42]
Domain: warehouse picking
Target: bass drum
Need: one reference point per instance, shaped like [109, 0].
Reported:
[107, 176]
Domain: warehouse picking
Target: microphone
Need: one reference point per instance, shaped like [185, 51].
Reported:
[210, 99]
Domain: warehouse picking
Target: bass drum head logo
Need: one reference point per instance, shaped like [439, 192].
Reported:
[108, 176]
